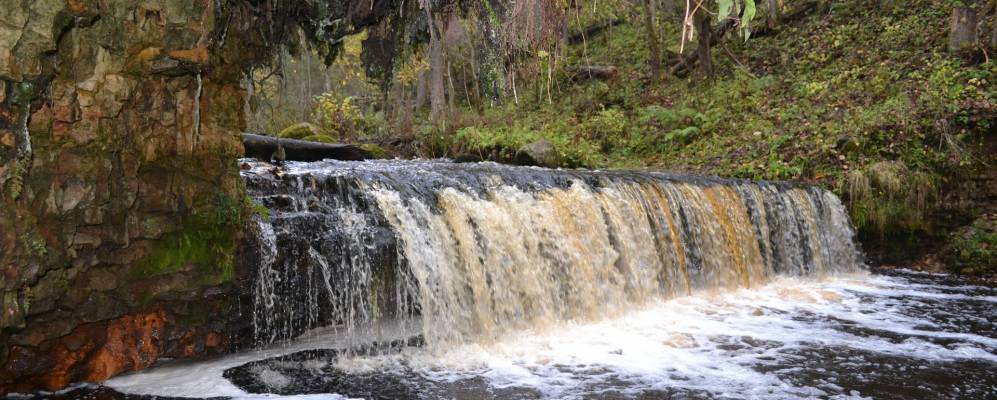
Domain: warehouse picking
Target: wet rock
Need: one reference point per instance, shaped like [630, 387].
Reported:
[972, 249]
[539, 153]
[6, 138]
[46, 292]
[467, 158]
[47, 326]
[312, 371]
[11, 311]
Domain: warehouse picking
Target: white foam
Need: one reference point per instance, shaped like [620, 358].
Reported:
[204, 378]
[712, 342]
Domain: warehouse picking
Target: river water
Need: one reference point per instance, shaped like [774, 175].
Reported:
[901, 335]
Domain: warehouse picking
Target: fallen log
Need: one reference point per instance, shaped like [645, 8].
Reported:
[262, 147]
[804, 10]
[599, 72]
[578, 37]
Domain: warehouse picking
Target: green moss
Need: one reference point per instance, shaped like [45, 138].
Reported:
[300, 131]
[206, 249]
[374, 150]
[204, 246]
[889, 196]
[973, 249]
[319, 138]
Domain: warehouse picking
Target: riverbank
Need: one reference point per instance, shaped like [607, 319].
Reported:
[862, 100]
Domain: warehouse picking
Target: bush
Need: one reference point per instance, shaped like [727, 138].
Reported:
[973, 249]
[339, 117]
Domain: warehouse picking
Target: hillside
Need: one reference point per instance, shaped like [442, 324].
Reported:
[862, 100]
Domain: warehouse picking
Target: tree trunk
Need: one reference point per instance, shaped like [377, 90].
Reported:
[773, 11]
[652, 40]
[669, 7]
[705, 31]
[421, 85]
[437, 97]
[963, 34]
[596, 72]
[823, 6]
[993, 36]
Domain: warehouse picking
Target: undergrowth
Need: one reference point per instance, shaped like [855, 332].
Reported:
[863, 101]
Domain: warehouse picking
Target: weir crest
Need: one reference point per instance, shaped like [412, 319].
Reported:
[470, 252]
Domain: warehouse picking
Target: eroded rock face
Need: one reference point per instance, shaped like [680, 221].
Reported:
[120, 199]
[119, 194]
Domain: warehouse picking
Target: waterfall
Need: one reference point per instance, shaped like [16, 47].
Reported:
[470, 252]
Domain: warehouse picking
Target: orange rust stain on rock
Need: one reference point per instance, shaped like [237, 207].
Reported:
[197, 55]
[215, 340]
[77, 7]
[133, 342]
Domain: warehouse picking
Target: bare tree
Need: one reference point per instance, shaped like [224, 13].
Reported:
[437, 97]
[652, 40]
[705, 31]
[963, 33]
[669, 7]
[773, 13]
[993, 36]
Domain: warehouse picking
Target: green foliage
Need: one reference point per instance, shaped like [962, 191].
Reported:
[973, 250]
[339, 117]
[607, 127]
[33, 246]
[748, 6]
[878, 79]
[15, 178]
[887, 195]
[374, 150]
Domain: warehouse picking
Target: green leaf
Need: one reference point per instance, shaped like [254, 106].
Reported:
[749, 14]
[725, 6]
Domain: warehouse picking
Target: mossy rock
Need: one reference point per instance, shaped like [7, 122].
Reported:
[374, 150]
[320, 138]
[972, 250]
[540, 153]
[300, 131]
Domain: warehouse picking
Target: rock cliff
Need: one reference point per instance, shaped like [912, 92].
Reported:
[121, 203]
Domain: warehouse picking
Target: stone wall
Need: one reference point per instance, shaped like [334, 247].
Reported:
[119, 126]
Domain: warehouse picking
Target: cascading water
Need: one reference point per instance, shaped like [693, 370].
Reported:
[472, 252]
[434, 280]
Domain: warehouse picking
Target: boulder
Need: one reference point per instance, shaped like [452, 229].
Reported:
[846, 144]
[539, 153]
[972, 249]
[300, 131]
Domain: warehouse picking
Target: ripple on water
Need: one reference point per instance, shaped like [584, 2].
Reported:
[891, 337]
